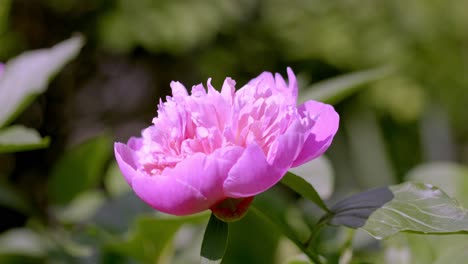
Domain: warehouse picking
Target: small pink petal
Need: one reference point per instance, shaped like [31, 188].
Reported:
[292, 83]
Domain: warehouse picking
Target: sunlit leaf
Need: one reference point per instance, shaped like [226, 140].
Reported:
[19, 138]
[302, 186]
[333, 90]
[417, 207]
[27, 75]
[79, 169]
[214, 241]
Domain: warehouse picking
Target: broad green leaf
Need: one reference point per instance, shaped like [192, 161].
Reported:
[452, 178]
[27, 75]
[151, 236]
[355, 210]
[302, 186]
[319, 173]
[79, 168]
[19, 138]
[420, 208]
[333, 90]
[214, 241]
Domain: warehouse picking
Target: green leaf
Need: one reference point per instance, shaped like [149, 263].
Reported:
[303, 187]
[319, 173]
[214, 241]
[450, 177]
[27, 75]
[19, 138]
[79, 168]
[334, 90]
[420, 208]
[355, 210]
[151, 236]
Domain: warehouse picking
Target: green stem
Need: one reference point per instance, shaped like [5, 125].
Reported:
[288, 233]
[322, 222]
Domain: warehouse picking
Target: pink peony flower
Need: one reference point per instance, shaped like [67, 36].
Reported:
[214, 148]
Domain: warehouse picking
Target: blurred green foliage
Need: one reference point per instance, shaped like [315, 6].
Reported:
[60, 205]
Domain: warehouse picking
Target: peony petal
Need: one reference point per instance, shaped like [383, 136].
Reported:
[125, 157]
[279, 82]
[169, 195]
[194, 185]
[265, 78]
[228, 90]
[288, 147]
[325, 124]
[292, 83]
[251, 174]
[178, 90]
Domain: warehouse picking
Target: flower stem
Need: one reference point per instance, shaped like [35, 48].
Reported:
[322, 222]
